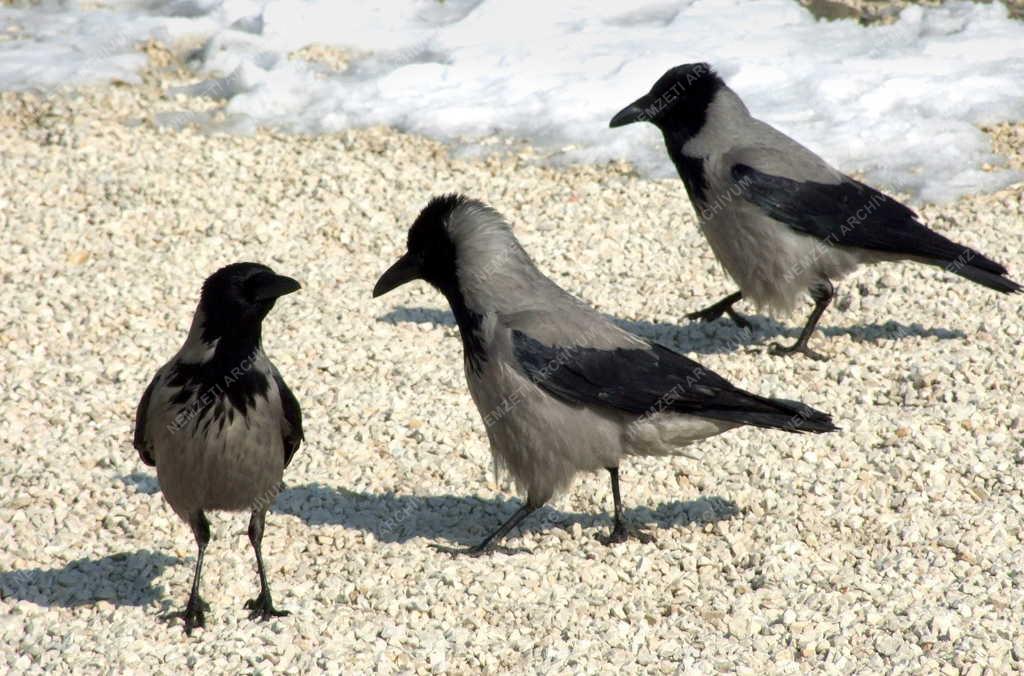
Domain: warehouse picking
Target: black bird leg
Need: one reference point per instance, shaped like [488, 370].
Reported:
[621, 532]
[194, 613]
[492, 542]
[822, 295]
[724, 306]
[261, 607]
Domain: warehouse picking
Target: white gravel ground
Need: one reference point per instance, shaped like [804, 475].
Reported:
[894, 545]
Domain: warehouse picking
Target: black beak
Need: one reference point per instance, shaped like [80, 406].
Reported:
[405, 269]
[269, 287]
[634, 112]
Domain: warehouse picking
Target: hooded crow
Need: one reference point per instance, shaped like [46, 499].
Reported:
[780, 220]
[219, 423]
[561, 388]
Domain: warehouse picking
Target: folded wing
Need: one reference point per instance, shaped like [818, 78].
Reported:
[652, 380]
[849, 213]
[141, 415]
[291, 427]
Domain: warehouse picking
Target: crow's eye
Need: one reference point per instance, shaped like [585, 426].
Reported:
[252, 284]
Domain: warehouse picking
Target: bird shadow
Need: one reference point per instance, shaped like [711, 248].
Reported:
[890, 330]
[143, 483]
[394, 518]
[123, 579]
[418, 315]
[719, 337]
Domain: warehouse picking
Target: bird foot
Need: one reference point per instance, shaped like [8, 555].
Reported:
[194, 614]
[478, 550]
[712, 313]
[262, 607]
[621, 533]
[777, 350]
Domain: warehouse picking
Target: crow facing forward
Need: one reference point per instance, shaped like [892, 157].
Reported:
[219, 423]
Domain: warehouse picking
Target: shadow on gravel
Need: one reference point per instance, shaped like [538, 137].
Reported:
[419, 315]
[142, 482]
[718, 337]
[124, 579]
[466, 520]
[890, 330]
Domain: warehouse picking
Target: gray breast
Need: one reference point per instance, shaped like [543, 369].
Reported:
[209, 455]
[541, 441]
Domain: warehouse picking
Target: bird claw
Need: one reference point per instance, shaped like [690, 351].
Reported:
[621, 533]
[194, 615]
[778, 350]
[262, 608]
[478, 551]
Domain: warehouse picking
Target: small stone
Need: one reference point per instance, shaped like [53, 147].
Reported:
[886, 646]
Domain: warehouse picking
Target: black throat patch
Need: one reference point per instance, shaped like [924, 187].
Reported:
[214, 390]
[691, 170]
[469, 330]
[430, 242]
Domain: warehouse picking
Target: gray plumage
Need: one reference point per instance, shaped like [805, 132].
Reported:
[779, 219]
[218, 421]
[561, 388]
[211, 456]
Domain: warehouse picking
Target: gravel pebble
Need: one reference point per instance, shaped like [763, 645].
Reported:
[894, 545]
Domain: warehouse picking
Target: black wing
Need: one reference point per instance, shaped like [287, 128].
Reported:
[291, 431]
[141, 413]
[850, 213]
[646, 381]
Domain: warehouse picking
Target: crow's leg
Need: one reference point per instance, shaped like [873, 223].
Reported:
[194, 613]
[492, 542]
[261, 607]
[620, 531]
[822, 295]
[724, 306]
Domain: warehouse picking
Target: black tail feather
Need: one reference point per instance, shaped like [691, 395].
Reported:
[997, 282]
[803, 418]
[779, 414]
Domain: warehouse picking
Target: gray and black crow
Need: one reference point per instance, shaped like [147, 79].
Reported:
[219, 423]
[780, 220]
[561, 388]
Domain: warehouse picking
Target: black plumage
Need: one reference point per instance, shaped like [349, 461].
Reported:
[639, 381]
[291, 433]
[850, 213]
[141, 415]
